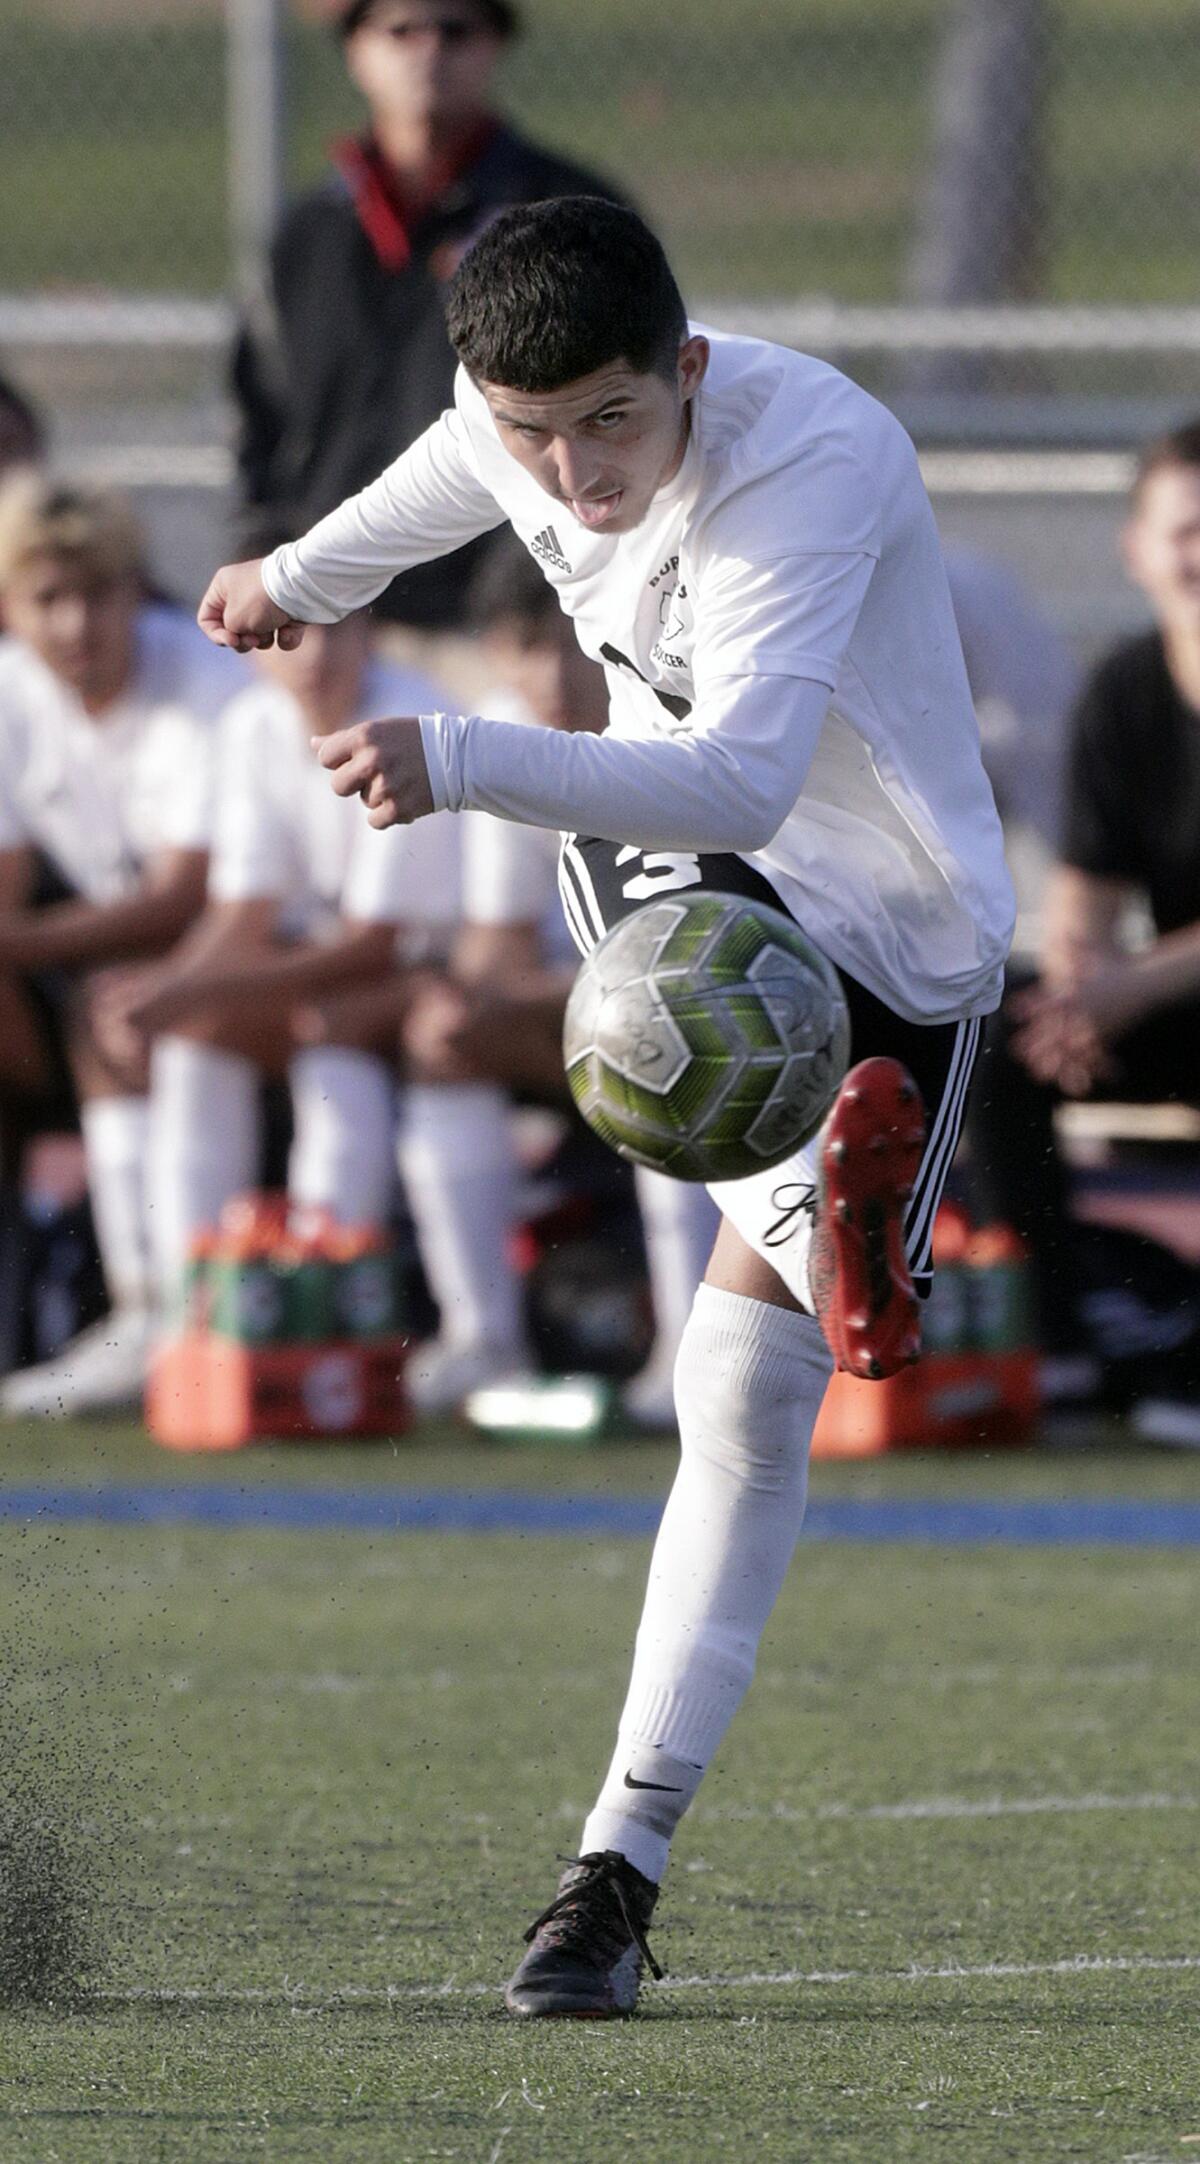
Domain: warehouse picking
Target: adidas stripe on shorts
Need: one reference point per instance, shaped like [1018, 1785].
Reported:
[600, 882]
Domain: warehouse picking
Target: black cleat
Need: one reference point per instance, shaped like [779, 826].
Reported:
[587, 1949]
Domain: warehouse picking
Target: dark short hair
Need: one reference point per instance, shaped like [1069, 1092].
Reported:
[499, 15]
[510, 588]
[1178, 447]
[552, 291]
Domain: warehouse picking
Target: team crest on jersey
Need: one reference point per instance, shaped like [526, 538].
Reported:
[673, 617]
[675, 621]
[546, 546]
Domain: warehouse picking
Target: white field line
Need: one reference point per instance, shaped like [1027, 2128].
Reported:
[1009, 1806]
[752, 1980]
[914, 1808]
[942, 1807]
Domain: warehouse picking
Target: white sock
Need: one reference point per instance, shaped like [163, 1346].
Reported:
[459, 1172]
[204, 1145]
[679, 1221]
[344, 1104]
[115, 1132]
[748, 1385]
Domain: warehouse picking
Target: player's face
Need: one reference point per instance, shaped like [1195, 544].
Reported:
[604, 445]
[324, 673]
[545, 665]
[423, 61]
[1162, 546]
[80, 624]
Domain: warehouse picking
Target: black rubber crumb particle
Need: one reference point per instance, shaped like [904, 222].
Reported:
[47, 1907]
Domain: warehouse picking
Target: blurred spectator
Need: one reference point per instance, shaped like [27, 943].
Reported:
[1107, 1020]
[1024, 681]
[22, 436]
[494, 1024]
[304, 896]
[106, 712]
[352, 361]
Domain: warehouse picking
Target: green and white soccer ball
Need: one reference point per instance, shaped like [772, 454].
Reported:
[705, 1036]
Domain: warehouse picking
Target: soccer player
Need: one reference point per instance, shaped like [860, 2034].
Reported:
[107, 707]
[741, 535]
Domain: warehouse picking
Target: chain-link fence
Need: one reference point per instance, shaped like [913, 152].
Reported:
[987, 209]
[785, 148]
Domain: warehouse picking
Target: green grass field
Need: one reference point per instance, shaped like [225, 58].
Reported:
[936, 1900]
[779, 149]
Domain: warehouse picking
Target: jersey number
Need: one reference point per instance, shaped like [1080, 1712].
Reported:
[663, 870]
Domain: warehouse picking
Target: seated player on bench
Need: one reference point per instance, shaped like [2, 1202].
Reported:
[107, 712]
[302, 897]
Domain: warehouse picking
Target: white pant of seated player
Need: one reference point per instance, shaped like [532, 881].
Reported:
[460, 1175]
[679, 1224]
[114, 1132]
[102, 1369]
[204, 1144]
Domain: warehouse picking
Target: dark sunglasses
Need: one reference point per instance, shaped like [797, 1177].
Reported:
[450, 29]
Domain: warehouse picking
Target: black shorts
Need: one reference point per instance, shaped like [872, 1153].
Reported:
[600, 882]
[50, 992]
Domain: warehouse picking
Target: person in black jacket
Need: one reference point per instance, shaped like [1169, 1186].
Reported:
[351, 362]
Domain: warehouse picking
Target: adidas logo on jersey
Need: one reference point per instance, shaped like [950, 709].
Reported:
[545, 545]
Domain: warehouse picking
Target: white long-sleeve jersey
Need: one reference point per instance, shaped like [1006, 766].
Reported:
[784, 670]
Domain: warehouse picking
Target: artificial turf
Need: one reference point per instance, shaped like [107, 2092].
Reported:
[936, 1899]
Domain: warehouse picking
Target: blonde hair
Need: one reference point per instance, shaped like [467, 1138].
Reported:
[94, 529]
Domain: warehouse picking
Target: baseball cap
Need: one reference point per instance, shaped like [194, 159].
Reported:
[349, 15]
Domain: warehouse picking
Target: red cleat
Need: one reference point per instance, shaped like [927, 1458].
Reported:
[870, 1154]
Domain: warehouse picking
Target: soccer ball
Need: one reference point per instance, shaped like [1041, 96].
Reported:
[705, 1036]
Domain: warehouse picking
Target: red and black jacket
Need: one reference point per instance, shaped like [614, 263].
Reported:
[352, 362]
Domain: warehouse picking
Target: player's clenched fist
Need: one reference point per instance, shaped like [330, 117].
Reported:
[238, 611]
[384, 763]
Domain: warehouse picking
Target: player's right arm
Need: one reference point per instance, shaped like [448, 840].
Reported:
[430, 501]
[237, 611]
